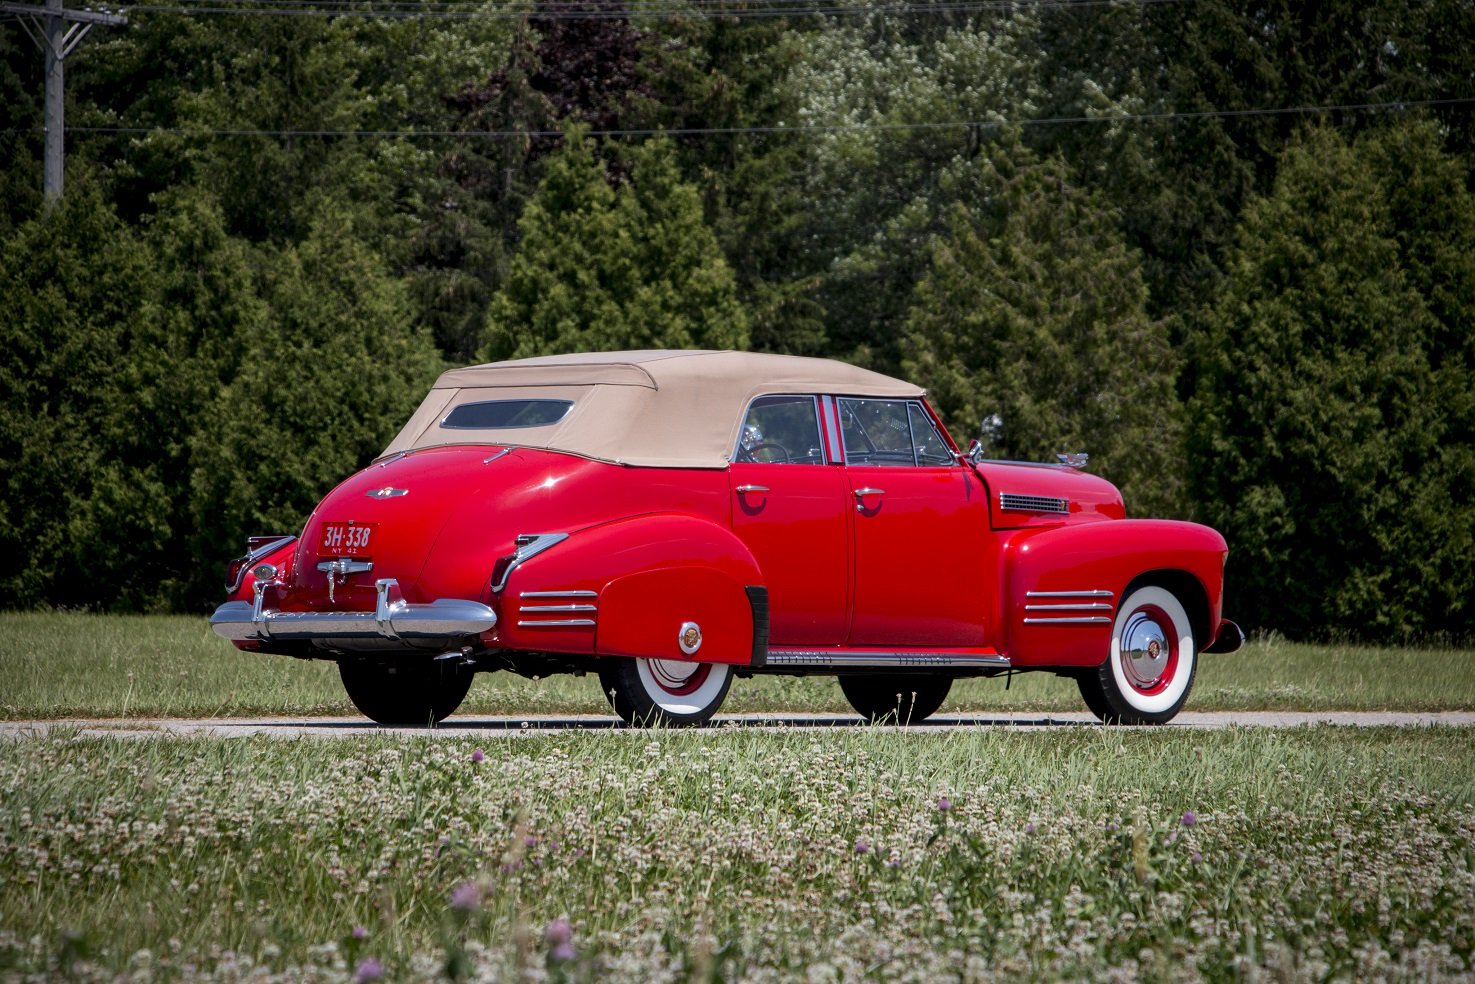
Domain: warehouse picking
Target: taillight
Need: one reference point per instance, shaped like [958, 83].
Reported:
[233, 572]
[257, 548]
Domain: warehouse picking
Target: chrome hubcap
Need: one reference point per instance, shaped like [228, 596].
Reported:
[673, 674]
[1145, 651]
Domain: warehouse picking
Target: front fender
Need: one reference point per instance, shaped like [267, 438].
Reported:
[1063, 585]
[629, 587]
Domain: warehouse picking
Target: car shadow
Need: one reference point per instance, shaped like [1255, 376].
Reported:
[747, 721]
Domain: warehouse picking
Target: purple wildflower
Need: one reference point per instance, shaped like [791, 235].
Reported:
[861, 845]
[1029, 828]
[359, 933]
[944, 804]
[531, 841]
[1189, 818]
[368, 969]
[1195, 857]
[466, 897]
[560, 938]
[478, 755]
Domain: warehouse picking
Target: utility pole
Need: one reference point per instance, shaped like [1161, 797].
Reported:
[57, 31]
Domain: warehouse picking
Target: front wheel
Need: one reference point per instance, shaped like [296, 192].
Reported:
[664, 692]
[898, 698]
[1149, 672]
[414, 692]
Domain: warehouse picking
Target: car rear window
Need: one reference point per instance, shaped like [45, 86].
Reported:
[494, 414]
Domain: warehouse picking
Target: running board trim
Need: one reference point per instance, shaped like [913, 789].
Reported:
[852, 659]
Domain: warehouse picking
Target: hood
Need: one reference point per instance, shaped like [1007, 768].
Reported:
[1029, 495]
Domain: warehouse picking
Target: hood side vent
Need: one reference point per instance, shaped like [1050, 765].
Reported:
[1016, 502]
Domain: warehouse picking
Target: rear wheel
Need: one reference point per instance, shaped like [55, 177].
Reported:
[1149, 672]
[664, 692]
[896, 697]
[413, 692]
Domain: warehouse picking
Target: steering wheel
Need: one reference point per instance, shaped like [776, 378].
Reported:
[751, 453]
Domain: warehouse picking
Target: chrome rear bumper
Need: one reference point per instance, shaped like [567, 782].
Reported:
[393, 619]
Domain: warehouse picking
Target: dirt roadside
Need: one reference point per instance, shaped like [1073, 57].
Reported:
[483, 726]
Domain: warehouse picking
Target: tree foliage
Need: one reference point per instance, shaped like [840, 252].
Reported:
[1034, 310]
[605, 267]
[1122, 227]
[1331, 434]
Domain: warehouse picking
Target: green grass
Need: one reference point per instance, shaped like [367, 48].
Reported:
[731, 854]
[65, 664]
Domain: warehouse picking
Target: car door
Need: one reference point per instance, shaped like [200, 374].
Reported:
[919, 578]
[789, 506]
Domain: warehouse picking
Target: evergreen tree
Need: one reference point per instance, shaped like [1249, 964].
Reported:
[1034, 309]
[877, 186]
[1331, 433]
[322, 386]
[78, 299]
[602, 267]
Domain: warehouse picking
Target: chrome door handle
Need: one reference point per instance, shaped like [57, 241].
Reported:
[860, 497]
[745, 489]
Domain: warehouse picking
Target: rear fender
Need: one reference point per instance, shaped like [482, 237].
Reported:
[633, 587]
[1063, 585]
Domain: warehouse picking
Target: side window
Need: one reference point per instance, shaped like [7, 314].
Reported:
[782, 430]
[931, 448]
[890, 432]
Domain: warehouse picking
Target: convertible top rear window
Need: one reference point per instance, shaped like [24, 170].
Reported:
[495, 414]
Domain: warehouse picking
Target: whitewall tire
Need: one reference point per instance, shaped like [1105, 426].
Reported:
[669, 692]
[1153, 659]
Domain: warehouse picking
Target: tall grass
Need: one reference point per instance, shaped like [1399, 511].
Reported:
[730, 854]
[67, 664]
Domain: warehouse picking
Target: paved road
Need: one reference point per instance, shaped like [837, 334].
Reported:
[512, 726]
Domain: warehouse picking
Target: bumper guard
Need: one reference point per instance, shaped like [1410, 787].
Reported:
[393, 619]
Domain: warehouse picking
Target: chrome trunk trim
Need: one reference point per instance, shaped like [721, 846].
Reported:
[446, 620]
[1068, 594]
[558, 594]
[558, 608]
[825, 659]
[344, 566]
[557, 623]
[1089, 606]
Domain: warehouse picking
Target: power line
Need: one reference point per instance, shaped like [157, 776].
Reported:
[449, 9]
[817, 129]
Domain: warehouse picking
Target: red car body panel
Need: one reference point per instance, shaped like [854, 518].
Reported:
[998, 565]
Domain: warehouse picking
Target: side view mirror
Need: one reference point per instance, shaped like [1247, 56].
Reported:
[988, 431]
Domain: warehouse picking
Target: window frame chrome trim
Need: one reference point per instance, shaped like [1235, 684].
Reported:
[815, 400]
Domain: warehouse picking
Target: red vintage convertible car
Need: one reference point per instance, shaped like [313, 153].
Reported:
[669, 520]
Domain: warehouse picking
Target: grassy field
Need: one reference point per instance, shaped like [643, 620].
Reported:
[61, 665]
[730, 854]
[727, 854]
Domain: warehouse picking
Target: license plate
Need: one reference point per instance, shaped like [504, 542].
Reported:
[346, 539]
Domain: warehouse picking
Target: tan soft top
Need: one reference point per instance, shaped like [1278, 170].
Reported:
[679, 409]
